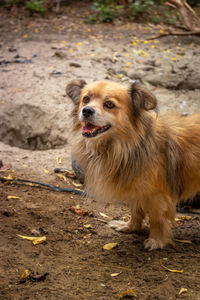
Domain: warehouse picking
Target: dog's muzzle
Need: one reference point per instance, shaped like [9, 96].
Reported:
[90, 129]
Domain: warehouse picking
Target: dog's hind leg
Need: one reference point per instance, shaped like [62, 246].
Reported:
[134, 224]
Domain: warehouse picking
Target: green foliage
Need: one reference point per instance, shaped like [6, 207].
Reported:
[140, 7]
[36, 6]
[104, 11]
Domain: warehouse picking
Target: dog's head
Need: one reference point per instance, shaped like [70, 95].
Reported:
[105, 106]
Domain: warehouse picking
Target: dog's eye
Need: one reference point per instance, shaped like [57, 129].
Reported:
[86, 99]
[109, 104]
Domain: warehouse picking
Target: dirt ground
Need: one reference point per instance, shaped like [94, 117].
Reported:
[38, 57]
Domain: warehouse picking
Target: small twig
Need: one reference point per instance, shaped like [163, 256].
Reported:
[102, 221]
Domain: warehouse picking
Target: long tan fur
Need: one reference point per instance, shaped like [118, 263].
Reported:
[151, 162]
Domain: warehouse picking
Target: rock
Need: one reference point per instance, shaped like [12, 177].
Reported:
[30, 127]
[136, 75]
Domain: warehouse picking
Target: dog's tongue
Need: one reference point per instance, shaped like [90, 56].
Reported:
[88, 128]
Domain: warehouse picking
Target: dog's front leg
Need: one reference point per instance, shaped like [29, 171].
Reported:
[160, 231]
[134, 224]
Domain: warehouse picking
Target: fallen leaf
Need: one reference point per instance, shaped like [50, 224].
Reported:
[33, 239]
[187, 218]
[183, 241]
[170, 270]
[61, 176]
[141, 52]
[129, 292]
[88, 226]
[110, 246]
[182, 290]
[58, 160]
[103, 215]
[115, 274]
[25, 274]
[77, 210]
[13, 197]
[45, 171]
[32, 278]
[77, 184]
[10, 176]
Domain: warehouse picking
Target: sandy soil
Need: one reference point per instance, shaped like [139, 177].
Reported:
[38, 57]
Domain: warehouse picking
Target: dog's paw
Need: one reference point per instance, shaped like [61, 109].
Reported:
[152, 244]
[120, 226]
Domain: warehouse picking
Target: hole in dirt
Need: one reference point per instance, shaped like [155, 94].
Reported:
[29, 127]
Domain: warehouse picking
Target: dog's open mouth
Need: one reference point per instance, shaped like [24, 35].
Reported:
[91, 130]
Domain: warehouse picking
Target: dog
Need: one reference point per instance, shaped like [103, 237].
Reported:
[129, 153]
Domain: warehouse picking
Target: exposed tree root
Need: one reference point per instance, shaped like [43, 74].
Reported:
[194, 32]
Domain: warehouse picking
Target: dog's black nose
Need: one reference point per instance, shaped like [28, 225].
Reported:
[88, 111]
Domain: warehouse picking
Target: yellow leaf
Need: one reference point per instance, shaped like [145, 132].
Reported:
[58, 160]
[110, 246]
[152, 46]
[129, 292]
[63, 42]
[36, 30]
[77, 184]
[88, 29]
[171, 270]
[33, 239]
[188, 218]
[10, 176]
[45, 171]
[183, 241]
[61, 176]
[25, 35]
[134, 44]
[115, 274]
[25, 274]
[161, 31]
[103, 215]
[79, 44]
[141, 52]
[13, 197]
[173, 58]
[182, 290]
[128, 63]
[88, 226]
[146, 42]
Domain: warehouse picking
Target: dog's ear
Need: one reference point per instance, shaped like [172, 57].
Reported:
[141, 99]
[73, 89]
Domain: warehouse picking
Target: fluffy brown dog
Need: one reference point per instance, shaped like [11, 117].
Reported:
[130, 154]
